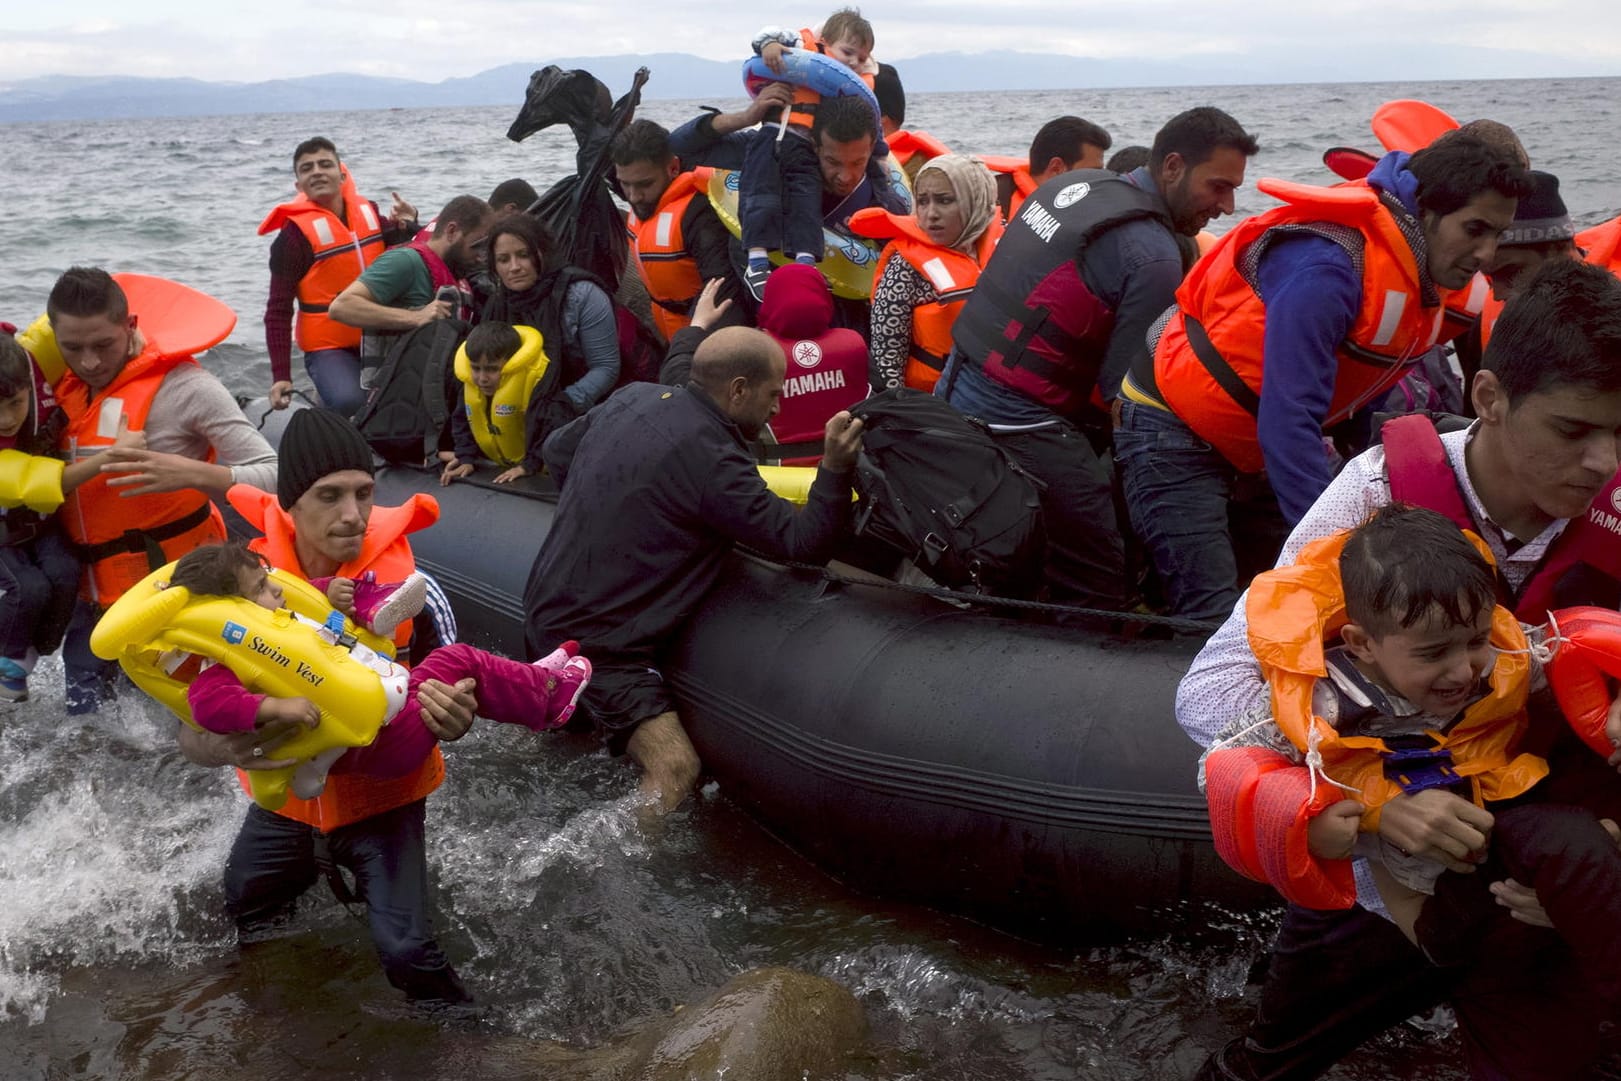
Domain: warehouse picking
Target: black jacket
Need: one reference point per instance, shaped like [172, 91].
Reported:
[657, 485]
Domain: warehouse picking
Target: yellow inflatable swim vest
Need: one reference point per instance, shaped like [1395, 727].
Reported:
[847, 262]
[498, 420]
[154, 627]
[30, 480]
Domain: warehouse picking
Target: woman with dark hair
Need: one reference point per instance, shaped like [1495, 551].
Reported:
[570, 307]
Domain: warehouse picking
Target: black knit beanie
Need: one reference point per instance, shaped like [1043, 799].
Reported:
[317, 442]
[1541, 217]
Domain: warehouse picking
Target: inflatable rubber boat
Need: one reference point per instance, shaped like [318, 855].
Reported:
[1027, 776]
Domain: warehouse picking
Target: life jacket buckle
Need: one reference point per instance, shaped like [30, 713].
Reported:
[1416, 769]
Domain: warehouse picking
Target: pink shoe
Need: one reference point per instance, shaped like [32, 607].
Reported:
[563, 689]
[382, 608]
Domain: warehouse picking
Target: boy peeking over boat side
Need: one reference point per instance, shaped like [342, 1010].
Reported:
[510, 402]
[1392, 670]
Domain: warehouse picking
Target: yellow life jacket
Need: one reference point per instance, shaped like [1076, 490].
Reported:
[30, 480]
[498, 420]
[271, 652]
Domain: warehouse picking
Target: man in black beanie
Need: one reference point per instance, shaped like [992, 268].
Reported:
[320, 523]
[1542, 230]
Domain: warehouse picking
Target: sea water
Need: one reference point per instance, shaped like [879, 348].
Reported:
[569, 921]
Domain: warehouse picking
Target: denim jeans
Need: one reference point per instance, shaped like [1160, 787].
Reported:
[779, 194]
[1178, 489]
[1086, 562]
[91, 681]
[273, 862]
[1337, 979]
[39, 585]
[336, 375]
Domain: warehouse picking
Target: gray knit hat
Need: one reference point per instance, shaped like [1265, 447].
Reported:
[317, 442]
[1541, 217]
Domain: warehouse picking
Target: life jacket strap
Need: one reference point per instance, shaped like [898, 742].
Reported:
[1218, 368]
[143, 541]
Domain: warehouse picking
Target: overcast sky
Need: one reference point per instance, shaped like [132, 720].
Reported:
[433, 41]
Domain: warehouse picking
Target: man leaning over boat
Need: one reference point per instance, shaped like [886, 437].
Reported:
[658, 484]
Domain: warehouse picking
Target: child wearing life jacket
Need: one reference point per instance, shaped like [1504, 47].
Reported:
[780, 187]
[39, 575]
[509, 402]
[539, 696]
[1393, 674]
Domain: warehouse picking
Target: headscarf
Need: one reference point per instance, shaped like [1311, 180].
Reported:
[975, 189]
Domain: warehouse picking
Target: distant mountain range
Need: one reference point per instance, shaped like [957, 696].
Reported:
[683, 76]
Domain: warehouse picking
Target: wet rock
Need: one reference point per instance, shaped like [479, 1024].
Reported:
[767, 1024]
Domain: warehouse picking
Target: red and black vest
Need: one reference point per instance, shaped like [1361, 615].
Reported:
[1582, 566]
[1032, 324]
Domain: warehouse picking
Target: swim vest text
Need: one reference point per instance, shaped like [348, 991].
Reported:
[269, 650]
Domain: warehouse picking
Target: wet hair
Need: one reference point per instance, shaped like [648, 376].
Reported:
[492, 341]
[466, 211]
[1500, 136]
[844, 120]
[527, 228]
[1127, 158]
[734, 352]
[847, 24]
[886, 87]
[1197, 134]
[1062, 138]
[1457, 168]
[213, 569]
[1563, 330]
[311, 146]
[16, 369]
[86, 292]
[1405, 563]
[642, 140]
[517, 191]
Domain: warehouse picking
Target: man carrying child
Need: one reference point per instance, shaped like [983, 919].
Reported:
[1544, 449]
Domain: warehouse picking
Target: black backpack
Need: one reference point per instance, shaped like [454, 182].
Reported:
[935, 485]
[413, 393]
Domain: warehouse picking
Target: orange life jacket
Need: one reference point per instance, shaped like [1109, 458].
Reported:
[121, 539]
[912, 149]
[1212, 380]
[1293, 611]
[667, 268]
[343, 247]
[350, 797]
[1019, 183]
[1601, 245]
[952, 273]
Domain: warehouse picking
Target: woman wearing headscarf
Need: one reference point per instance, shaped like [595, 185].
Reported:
[569, 306]
[928, 269]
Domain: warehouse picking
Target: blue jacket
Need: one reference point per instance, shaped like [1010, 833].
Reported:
[1312, 294]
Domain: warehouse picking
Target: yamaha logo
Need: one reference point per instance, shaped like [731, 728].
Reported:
[807, 354]
[1072, 195]
[1615, 498]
